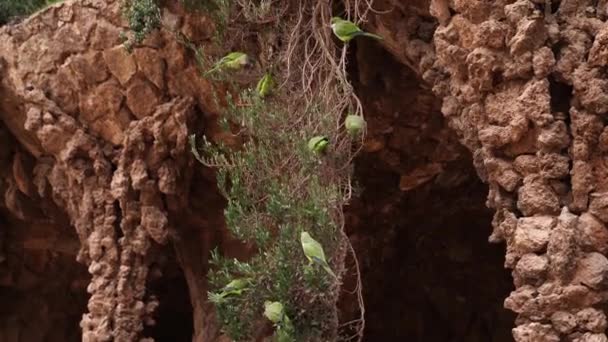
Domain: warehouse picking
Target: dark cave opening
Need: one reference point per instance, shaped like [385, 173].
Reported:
[561, 95]
[42, 286]
[420, 226]
[173, 317]
[429, 273]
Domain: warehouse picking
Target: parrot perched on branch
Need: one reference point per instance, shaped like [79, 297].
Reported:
[232, 61]
[265, 85]
[318, 144]
[275, 312]
[314, 252]
[236, 287]
[233, 288]
[347, 30]
[354, 124]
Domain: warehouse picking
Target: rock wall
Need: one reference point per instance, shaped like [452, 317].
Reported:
[102, 145]
[107, 131]
[420, 224]
[523, 85]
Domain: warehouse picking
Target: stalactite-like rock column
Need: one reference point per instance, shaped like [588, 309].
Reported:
[109, 132]
[523, 84]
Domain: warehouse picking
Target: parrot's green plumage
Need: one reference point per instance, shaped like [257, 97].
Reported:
[232, 61]
[314, 252]
[355, 124]
[283, 335]
[318, 144]
[235, 287]
[346, 30]
[265, 85]
[274, 311]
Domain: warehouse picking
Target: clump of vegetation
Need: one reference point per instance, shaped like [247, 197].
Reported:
[276, 187]
[275, 184]
[143, 17]
[10, 9]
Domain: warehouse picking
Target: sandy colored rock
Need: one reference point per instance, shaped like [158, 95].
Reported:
[591, 319]
[593, 233]
[537, 197]
[592, 271]
[589, 337]
[151, 65]
[535, 332]
[141, 98]
[599, 206]
[532, 233]
[563, 322]
[120, 63]
[531, 268]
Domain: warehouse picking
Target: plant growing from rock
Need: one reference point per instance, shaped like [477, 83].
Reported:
[143, 17]
[275, 186]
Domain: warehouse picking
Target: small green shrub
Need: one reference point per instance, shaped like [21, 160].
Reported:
[143, 17]
[275, 189]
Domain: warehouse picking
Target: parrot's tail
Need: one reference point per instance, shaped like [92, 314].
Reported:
[328, 270]
[371, 35]
[325, 266]
[212, 70]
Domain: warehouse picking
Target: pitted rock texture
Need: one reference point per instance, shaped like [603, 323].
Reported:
[523, 86]
[104, 134]
[102, 139]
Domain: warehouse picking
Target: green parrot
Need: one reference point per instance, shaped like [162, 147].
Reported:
[314, 252]
[265, 85]
[354, 124]
[346, 30]
[318, 144]
[235, 287]
[232, 61]
[274, 311]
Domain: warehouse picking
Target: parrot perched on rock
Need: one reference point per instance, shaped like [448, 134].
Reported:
[232, 61]
[354, 124]
[346, 30]
[265, 85]
[314, 252]
[318, 144]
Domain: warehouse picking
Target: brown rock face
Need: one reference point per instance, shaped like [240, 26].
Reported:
[95, 138]
[522, 86]
[109, 147]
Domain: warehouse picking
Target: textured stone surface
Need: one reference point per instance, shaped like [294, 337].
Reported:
[523, 86]
[109, 143]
